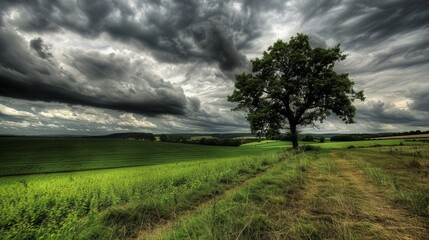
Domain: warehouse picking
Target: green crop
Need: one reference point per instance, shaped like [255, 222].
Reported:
[57, 205]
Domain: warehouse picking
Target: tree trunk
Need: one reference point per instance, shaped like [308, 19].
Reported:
[294, 135]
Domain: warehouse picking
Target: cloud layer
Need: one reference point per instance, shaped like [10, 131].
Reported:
[167, 66]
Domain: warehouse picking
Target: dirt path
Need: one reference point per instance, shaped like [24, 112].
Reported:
[339, 202]
[393, 222]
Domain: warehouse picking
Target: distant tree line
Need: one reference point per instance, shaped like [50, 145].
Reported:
[135, 136]
[349, 137]
[232, 135]
[280, 137]
[233, 142]
[237, 139]
[288, 137]
[171, 138]
[146, 136]
[341, 138]
[218, 142]
[360, 137]
[401, 133]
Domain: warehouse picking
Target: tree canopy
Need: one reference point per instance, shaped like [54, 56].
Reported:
[294, 85]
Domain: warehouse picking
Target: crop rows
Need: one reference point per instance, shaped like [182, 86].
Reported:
[47, 155]
[57, 205]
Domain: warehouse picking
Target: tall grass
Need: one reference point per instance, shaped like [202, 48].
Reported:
[248, 214]
[114, 203]
[329, 166]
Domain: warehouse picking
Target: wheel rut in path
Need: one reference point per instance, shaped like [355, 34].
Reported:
[391, 220]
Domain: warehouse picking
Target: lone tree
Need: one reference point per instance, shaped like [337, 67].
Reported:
[294, 85]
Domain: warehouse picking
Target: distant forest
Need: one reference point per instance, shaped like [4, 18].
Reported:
[236, 139]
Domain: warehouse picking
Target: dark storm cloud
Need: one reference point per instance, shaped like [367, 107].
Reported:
[201, 45]
[219, 46]
[420, 100]
[40, 47]
[209, 121]
[392, 34]
[28, 75]
[213, 120]
[268, 5]
[313, 9]
[98, 66]
[385, 39]
[362, 23]
[175, 31]
[410, 54]
[36, 16]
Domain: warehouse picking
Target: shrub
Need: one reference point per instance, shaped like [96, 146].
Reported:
[352, 137]
[308, 138]
[219, 142]
[310, 148]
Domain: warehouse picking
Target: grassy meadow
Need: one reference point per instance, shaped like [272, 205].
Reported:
[73, 188]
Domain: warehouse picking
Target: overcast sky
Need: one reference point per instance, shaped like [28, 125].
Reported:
[98, 67]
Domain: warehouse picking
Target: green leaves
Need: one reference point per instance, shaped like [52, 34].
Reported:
[296, 84]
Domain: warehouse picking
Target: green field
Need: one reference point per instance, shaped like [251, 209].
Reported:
[52, 204]
[20, 156]
[154, 190]
[45, 155]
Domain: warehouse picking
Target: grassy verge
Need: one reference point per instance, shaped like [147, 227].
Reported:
[113, 204]
[250, 212]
